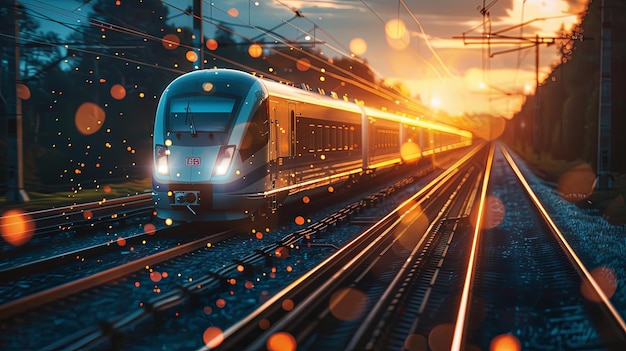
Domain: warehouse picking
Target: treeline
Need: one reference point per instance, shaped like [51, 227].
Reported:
[563, 123]
[111, 74]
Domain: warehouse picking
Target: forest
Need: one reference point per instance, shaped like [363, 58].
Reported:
[565, 126]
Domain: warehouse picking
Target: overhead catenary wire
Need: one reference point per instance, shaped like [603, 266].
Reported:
[355, 80]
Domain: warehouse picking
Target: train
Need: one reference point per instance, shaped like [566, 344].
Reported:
[228, 144]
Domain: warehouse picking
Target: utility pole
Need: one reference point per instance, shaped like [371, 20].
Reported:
[198, 34]
[498, 38]
[604, 181]
[12, 110]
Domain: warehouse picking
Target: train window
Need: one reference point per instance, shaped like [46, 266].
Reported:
[326, 140]
[311, 143]
[256, 135]
[350, 138]
[340, 138]
[319, 141]
[194, 114]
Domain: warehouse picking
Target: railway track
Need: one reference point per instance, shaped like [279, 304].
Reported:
[331, 284]
[64, 303]
[67, 226]
[453, 288]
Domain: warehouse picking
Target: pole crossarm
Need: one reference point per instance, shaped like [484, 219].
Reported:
[494, 38]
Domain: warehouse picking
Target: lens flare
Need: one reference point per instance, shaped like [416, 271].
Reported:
[395, 29]
[212, 44]
[281, 341]
[89, 118]
[440, 337]
[397, 35]
[348, 304]
[410, 151]
[288, 305]
[299, 220]
[170, 41]
[149, 229]
[255, 50]
[358, 46]
[118, 92]
[303, 64]
[282, 252]
[415, 342]
[233, 12]
[191, 56]
[23, 92]
[155, 277]
[606, 280]
[577, 184]
[494, 212]
[17, 227]
[505, 342]
[213, 337]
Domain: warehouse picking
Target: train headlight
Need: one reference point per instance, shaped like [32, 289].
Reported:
[161, 154]
[224, 159]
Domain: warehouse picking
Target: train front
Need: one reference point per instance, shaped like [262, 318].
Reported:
[210, 147]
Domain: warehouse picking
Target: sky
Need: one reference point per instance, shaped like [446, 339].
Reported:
[417, 42]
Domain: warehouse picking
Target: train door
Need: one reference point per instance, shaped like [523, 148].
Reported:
[293, 142]
[273, 151]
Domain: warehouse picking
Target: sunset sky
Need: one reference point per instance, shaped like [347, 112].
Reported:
[408, 40]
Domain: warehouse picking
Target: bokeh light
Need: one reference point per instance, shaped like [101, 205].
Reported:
[578, 183]
[358, 46]
[419, 222]
[303, 64]
[212, 44]
[606, 280]
[410, 151]
[494, 212]
[395, 29]
[255, 50]
[121, 241]
[155, 277]
[171, 41]
[191, 56]
[281, 341]
[505, 342]
[23, 91]
[118, 92]
[17, 227]
[89, 118]
[397, 35]
[299, 220]
[415, 342]
[213, 337]
[288, 305]
[149, 229]
[233, 12]
[264, 324]
[440, 337]
[282, 252]
[347, 304]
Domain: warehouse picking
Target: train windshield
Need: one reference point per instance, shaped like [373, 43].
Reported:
[200, 114]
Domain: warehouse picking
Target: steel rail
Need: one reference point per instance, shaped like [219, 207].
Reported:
[324, 277]
[35, 300]
[580, 267]
[459, 328]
